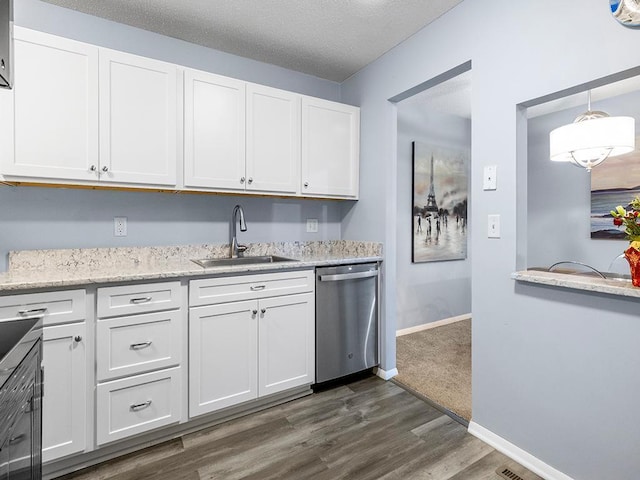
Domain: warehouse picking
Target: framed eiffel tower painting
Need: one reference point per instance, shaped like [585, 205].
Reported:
[440, 196]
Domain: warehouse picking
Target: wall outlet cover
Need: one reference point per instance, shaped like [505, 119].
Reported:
[312, 225]
[120, 226]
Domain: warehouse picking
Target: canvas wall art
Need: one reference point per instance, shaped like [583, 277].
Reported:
[440, 196]
[614, 182]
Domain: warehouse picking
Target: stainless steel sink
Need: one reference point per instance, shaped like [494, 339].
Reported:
[226, 262]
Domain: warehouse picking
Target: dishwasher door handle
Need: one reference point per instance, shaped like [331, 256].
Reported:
[347, 276]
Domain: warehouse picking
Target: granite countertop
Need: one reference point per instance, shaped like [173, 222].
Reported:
[621, 287]
[31, 269]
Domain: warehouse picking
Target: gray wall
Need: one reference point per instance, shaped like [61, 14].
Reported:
[42, 218]
[554, 371]
[430, 291]
[35, 218]
[559, 201]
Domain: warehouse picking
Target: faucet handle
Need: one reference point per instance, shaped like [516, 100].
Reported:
[241, 248]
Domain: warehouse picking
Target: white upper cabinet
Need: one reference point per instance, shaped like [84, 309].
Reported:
[81, 114]
[50, 119]
[330, 148]
[138, 119]
[214, 131]
[273, 140]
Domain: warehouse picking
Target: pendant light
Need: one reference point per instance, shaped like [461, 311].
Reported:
[593, 137]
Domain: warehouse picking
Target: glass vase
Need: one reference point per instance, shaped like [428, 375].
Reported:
[633, 257]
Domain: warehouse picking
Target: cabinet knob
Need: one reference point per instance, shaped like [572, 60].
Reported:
[306, 184]
[77, 338]
[105, 169]
[250, 181]
[254, 311]
[93, 168]
[241, 179]
[263, 310]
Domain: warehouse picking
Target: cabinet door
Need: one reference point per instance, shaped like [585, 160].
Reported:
[273, 140]
[64, 398]
[214, 131]
[138, 119]
[49, 121]
[330, 148]
[287, 343]
[222, 356]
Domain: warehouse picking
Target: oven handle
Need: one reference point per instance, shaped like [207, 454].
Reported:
[347, 276]
[33, 313]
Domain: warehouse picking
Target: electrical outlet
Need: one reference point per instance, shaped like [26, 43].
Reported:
[312, 225]
[494, 226]
[120, 226]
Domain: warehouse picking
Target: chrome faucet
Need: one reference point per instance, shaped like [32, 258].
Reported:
[237, 250]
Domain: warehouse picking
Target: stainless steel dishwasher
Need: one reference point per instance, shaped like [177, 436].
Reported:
[346, 320]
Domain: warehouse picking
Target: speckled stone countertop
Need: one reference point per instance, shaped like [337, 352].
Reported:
[612, 286]
[31, 269]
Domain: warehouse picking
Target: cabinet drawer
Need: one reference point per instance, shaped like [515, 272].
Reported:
[132, 299]
[56, 307]
[232, 289]
[138, 344]
[137, 404]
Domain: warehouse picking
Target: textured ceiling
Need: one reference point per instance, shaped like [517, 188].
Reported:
[330, 39]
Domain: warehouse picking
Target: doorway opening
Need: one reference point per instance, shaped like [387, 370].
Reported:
[433, 276]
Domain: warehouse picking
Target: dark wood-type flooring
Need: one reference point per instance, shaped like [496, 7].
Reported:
[369, 429]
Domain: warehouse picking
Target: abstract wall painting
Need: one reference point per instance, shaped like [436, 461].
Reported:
[614, 182]
[440, 197]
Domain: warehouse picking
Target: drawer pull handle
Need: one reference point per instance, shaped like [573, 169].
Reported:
[140, 300]
[258, 287]
[254, 311]
[139, 406]
[34, 312]
[77, 338]
[138, 346]
[263, 311]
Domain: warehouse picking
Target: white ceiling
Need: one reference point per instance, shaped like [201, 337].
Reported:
[330, 39]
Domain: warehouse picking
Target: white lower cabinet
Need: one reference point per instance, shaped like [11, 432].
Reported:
[223, 349]
[64, 398]
[243, 350]
[139, 339]
[287, 343]
[64, 364]
[137, 404]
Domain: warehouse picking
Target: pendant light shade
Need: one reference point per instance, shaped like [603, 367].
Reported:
[592, 138]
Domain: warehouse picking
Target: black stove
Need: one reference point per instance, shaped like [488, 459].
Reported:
[21, 399]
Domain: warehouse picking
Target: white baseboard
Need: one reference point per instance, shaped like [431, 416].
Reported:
[386, 374]
[524, 458]
[427, 326]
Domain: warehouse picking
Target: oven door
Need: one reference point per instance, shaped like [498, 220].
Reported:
[21, 442]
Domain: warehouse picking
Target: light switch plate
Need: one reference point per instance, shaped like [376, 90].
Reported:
[490, 181]
[312, 225]
[493, 226]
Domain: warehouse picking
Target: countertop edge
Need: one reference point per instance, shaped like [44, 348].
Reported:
[194, 270]
[622, 288]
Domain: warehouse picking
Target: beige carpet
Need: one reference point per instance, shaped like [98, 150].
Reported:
[436, 363]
